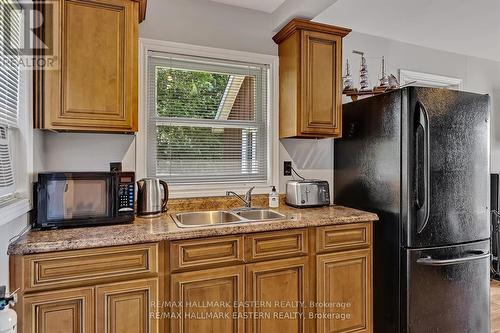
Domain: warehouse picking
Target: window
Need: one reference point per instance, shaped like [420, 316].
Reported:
[429, 80]
[207, 120]
[15, 133]
[10, 32]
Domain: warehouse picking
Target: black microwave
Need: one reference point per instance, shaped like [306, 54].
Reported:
[79, 199]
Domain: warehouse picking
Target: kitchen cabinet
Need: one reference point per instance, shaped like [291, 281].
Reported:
[121, 307]
[310, 75]
[344, 287]
[125, 307]
[210, 300]
[65, 311]
[282, 287]
[304, 280]
[106, 290]
[93, 86]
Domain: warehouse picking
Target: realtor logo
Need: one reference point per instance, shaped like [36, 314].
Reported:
[28, 35]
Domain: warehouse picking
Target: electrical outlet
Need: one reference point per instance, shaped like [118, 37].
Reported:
[287, 168]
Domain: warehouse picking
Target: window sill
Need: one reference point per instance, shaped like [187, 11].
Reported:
[13, 209]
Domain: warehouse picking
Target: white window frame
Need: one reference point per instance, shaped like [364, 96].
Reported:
[21, 149]
[20, 138]
[429, 80]
[217, 189]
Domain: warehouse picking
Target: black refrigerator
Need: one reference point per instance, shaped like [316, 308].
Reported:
[419, 158]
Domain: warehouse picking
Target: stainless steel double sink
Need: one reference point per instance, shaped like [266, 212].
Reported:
[218, 217]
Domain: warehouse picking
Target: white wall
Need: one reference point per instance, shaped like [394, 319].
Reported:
[478, 75]
[483, 76]
[400, 55]
[195, 22]
[463, 27]
[311, 158]
[86, 151]
[7, 231]
[207, 23]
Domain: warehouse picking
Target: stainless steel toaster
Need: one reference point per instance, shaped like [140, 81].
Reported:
[307, 193]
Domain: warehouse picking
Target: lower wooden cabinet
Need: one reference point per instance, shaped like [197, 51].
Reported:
[344, 288]
[308, 280]
[207, 300]
[278, 290]
[122, 307]
[66, 311]
[125, 307]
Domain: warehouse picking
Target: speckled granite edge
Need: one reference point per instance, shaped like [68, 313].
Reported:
[163, 228]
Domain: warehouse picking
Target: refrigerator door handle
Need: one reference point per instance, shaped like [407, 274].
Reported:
[476, 255]
[422, 152]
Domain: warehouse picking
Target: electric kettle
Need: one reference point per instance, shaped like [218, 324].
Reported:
[151, 198]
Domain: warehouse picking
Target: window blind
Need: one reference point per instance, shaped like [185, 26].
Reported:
[10, 37]
[207, 120]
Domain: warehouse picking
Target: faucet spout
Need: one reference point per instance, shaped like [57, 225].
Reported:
[248, 196]
[247, 200]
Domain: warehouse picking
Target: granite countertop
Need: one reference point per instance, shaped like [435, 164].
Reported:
[145, 230]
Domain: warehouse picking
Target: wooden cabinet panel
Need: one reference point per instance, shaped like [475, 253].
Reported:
[280, 288]
[343, 237]
[321, 93]
[81, 267]
[199, 253]
[125, 307]
[288, 271]
[279, 244]
[66, 311]
[211, 292]
[95, 86]
[344, 282]
[310, 79]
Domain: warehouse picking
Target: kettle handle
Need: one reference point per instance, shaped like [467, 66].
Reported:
[165, 195]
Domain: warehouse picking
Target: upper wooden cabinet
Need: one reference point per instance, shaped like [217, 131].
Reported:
[94, 86]
[310, 72]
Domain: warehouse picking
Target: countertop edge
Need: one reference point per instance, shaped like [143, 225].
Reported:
[119, 239]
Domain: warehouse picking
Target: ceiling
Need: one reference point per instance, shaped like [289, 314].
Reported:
[267, 6]
[459, 26]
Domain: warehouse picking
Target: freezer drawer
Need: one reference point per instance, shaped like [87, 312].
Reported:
[447, 289]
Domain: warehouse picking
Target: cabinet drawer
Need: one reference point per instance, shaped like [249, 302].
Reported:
[343, 237]
[206, 252]
[93, 265]
[271, 245]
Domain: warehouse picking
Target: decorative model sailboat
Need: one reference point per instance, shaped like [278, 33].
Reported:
[386, 82]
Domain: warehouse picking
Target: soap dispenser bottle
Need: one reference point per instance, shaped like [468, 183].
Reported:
[274, 198]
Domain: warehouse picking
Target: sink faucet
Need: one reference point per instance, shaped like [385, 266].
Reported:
[247, 199]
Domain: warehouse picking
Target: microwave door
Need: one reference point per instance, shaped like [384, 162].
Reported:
[74, 199]
[77, 199]
[55, 200]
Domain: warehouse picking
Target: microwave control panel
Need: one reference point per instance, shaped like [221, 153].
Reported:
[126, 191]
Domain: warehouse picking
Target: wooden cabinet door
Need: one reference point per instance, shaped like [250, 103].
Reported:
[321, 64]
[95, 87]
[65, 311]
[125, 307]
[206, 301]
[281, 289]
[344, 288]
